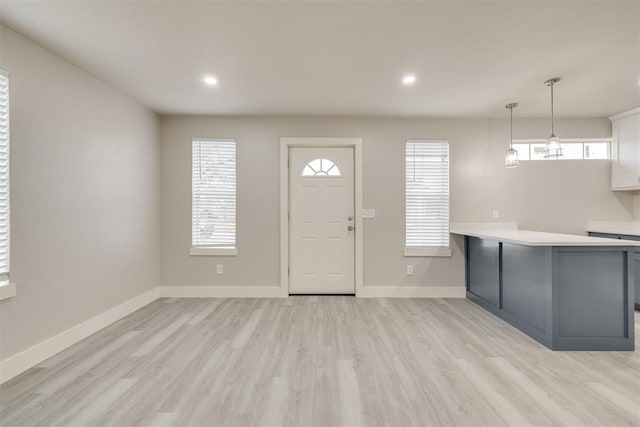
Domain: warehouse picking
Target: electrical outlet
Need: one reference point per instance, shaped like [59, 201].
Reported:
[219, 268]
[496, 214]
[409, 270]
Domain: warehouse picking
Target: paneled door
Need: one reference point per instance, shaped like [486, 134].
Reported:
[321, 221]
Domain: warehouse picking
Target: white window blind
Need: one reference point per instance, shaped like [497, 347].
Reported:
[214, 193]
[4, 178]
[427, 194]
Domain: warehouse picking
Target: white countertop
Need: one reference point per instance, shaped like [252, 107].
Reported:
[619, 227]
[538, 238]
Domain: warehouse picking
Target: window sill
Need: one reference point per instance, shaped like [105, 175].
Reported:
[7, 290]
[213, 251]
[427, 252]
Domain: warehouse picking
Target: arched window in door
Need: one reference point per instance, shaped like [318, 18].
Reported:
[321, 167]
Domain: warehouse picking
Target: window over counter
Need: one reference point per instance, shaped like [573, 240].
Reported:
[427, 198]
[7, 290]
[213, 226]
[572, 149]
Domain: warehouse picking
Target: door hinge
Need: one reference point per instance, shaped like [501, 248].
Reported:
[289, 271]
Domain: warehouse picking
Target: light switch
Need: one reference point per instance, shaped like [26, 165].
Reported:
[368, 213]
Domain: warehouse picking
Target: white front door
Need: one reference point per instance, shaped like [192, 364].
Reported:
[321, 223]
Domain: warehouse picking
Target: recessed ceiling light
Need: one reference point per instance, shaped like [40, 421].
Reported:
[408, 80]
[210, 80]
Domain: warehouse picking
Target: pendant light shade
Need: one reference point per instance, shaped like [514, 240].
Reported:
[511, 160]
[552, 149]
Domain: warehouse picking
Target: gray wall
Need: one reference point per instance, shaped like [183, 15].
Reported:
[552, 196]
[85, 196]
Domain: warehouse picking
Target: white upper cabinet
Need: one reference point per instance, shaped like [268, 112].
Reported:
[625, 150]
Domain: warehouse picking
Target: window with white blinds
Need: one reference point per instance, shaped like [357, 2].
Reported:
[427, 197]
[4, 178]
[213, 193]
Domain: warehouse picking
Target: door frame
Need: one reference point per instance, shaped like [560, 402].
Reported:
[304, 142]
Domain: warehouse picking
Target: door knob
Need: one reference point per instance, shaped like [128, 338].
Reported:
[350, 218]
[350, 228]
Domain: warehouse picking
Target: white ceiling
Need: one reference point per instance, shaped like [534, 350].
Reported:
[347, 58]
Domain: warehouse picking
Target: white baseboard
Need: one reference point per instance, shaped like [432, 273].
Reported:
[32, 356]
[40, 352]
[412, 292]
[220, 291]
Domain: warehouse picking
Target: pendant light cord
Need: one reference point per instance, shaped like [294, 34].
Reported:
[552, 129]
[511, 139]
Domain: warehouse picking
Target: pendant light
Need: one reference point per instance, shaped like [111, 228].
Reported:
[511, 159]
[552, 148]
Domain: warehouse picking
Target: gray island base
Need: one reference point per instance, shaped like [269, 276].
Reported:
[565, 297]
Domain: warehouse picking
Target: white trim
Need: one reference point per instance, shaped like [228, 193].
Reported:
[285, 144]
[284, 218]
[194, 251]
[358, 195]
[427, 140]
[30, 357]
[7, 290]
[214, 139]
[220, 291]
[625, 114]
[413, 292]
[414, 251]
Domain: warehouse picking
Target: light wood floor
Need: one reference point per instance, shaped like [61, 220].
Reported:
[322, 361]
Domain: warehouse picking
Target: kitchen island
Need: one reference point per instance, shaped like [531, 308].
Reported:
[624, 231]
[567, 292]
